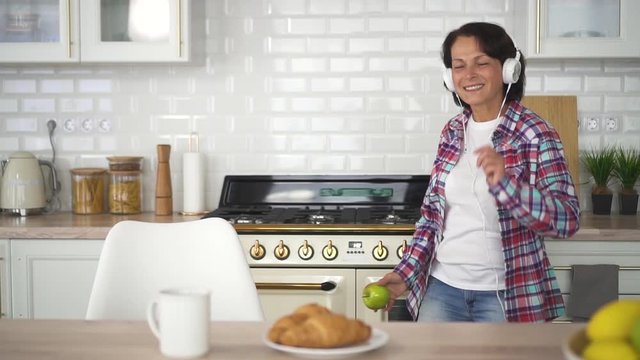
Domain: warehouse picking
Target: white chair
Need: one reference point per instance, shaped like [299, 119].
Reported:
[139, 258]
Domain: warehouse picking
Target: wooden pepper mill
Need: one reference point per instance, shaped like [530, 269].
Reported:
[164, 195]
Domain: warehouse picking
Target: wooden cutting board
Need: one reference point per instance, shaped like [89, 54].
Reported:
[562, 113]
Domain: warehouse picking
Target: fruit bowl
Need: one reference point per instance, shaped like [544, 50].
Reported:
[572, 347]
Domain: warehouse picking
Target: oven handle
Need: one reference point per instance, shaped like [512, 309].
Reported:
[325, 286]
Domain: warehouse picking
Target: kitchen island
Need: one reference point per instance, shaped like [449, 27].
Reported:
[78, 339]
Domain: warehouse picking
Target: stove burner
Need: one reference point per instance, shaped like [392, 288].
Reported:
[391, 219]
[320, 219]
[244, 219]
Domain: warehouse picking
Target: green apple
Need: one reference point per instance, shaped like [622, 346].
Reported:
[375, 296]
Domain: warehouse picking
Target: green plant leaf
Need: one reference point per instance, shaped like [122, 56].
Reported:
[600, 164]
[627, 168]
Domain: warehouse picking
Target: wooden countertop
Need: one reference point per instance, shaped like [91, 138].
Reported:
[66, 225]
[78, 339]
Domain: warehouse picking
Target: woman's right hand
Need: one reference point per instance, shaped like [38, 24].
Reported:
[395, 285]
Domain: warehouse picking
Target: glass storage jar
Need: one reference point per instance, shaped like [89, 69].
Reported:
[125, 192]
[125, 163]
[88, 190]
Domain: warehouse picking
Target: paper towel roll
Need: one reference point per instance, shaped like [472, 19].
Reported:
[193, 171]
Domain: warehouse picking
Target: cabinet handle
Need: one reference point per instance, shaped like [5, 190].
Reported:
[325, 286]
[624, 268]
[537, 26]
[179, 28]
[69, 29]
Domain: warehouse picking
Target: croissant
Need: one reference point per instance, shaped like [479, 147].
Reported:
[315, 326]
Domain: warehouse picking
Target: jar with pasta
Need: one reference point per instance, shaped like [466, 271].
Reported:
[88, 190]
[125, 192]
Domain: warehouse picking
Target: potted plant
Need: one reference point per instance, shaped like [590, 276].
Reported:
[627, 171]
[600, 164]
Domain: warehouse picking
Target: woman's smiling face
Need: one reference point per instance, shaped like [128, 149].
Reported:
[477, 77]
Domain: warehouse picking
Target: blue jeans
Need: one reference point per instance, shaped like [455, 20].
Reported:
[446, 303]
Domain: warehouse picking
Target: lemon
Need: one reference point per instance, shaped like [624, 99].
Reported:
[635, 336]
[614, 320]
[609, 350]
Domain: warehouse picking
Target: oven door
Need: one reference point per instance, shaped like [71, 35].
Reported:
[399, 311]
[282, 290]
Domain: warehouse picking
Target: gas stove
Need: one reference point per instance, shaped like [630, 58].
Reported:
[323, 220]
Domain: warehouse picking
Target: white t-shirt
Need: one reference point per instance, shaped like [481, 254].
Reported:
[470, 255]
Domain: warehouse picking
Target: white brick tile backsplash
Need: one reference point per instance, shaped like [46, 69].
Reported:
[385, 24]
[346, 25]
[38, 105]
[364, 45]
[8, 105]
[387, 64]
[602, 84]
[56, 86]
[94, 86]
[621, 103]
[307, 26]
[486, 6]
[328, 163]
[74, 105]
[307, 65]
[332, 84]
[346, 143]
[306, 143]
[425, 24]
[385, 144]
[346, 104]
[284, 163]
[21, 125]
[349, 64]
[327, 46]
[452, 6]
[327, 7]
[19, 86]
[365, 84]
[366, 163]
[293, 87]
[9, 144]
[557, 83]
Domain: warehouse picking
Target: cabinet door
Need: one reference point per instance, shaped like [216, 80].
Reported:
[583, 28]
[134, 30]
[5, 310]
[39, 31]
[52, 279]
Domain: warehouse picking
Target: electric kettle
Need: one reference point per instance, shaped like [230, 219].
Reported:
[22, 191]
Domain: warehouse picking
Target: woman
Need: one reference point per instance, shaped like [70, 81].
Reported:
[499, 184]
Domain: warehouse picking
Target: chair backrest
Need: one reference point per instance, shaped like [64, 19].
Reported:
[140, 258]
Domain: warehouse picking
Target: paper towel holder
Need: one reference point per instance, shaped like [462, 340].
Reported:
[193, 145]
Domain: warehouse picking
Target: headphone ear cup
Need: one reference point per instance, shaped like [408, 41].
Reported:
[511, 71]
[447, 77]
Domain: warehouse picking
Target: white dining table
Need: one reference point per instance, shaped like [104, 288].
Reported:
[80, 339]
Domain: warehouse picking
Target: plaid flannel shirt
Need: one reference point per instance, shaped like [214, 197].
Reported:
[535, 198]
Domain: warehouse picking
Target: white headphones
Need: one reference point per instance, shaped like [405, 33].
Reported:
[510, 72]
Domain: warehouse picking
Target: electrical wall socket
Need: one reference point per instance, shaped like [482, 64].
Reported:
[87, 125]
[591, 123]
[610, 123]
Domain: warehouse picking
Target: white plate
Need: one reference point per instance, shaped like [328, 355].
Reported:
[378, 339]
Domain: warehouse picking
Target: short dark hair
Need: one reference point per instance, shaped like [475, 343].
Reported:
[493, 41]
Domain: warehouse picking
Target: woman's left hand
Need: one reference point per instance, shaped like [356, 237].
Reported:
[491, 163]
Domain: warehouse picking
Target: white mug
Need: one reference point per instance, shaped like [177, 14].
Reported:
[179, 318]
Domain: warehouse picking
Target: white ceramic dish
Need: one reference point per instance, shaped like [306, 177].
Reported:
[378, 339]
[572, 347]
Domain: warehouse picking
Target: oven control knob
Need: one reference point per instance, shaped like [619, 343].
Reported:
[380, 252]
[305, 251]
[257, 251]
[401, 249]
[330, 252]
[281, 251]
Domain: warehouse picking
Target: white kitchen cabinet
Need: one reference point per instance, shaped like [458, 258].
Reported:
[626, 254]
[579, 28]
[52, 279]
[5, 310]
[71, 31]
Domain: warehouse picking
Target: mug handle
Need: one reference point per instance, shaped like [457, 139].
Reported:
[152, 320]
